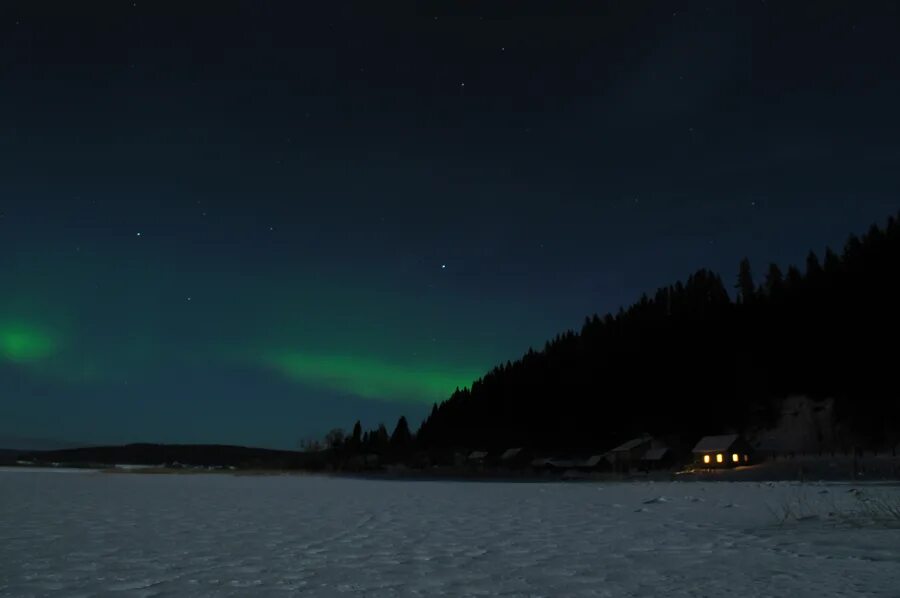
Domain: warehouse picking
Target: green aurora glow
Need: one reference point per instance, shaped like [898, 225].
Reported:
[358, 339]
[25, 343]
[369, 378]
[106, 342]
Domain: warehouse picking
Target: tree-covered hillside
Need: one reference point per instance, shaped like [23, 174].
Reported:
[689, 360]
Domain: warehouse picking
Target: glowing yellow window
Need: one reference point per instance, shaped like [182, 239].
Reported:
[735, 457]
[706, 458]
[719, 458]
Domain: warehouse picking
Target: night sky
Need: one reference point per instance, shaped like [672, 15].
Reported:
[257, 221]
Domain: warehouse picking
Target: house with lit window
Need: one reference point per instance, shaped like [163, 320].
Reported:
[729, 450]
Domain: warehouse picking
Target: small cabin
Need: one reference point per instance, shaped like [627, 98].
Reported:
[515, 458]
[628, 454]
[728, 450]
[603, 462]
[477, 457]
[657, 458]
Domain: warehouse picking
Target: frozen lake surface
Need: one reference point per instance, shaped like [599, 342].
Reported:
[96, 534]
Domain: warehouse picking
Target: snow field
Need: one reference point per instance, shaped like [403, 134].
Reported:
[96, 534]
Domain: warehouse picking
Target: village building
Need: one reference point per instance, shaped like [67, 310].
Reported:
[628, 455]
[601, 462]
[515, 458]
[540, 463]
[728, 450]
[477, 457]
[657, 458]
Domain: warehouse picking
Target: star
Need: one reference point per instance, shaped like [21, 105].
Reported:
[139, 234]
[443, 266]
[188, 298]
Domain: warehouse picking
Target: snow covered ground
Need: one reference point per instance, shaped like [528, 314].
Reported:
[91, 533]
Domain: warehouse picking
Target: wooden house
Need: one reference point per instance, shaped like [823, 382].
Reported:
[515, 458]
[628, 454]
[477, 457]
[728, 450]
[657, 458]
[602, 462]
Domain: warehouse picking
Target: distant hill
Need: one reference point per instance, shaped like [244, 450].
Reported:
[23, 443]
[8, 456]
[690, 360]
[185, 454]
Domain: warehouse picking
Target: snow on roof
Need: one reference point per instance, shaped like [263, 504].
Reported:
[477, 454]
[633, 443]
[510, 454]
[655, 454]
[595, 460]
[715, 443]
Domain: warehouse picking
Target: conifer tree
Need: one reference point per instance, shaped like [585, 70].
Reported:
[813, 267]
[380, 439]
[745, 284]
[774, 281]
[354, 443]
[832, 262]
[401, 439]
[794, 278]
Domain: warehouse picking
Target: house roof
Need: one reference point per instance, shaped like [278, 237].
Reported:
[631, 444]
[709, 444]
[510, 454]
[562, 463]
[595, 460]
[655, 454]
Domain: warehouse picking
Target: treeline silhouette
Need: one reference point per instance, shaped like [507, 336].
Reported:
[690, 360]
[208, 455]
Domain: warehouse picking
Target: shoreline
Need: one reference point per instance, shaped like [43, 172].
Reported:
[761, 473]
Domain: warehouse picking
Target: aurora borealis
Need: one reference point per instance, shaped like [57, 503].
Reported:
[23, 344]
[254, 224]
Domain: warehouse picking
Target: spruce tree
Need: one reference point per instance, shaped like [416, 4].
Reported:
[380, 439]
[794, 278]
[355, 440]
[745, 282]
[774, 281]
[813, 267]
[401, 439]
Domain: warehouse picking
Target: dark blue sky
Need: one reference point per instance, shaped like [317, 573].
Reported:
[250, 224]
